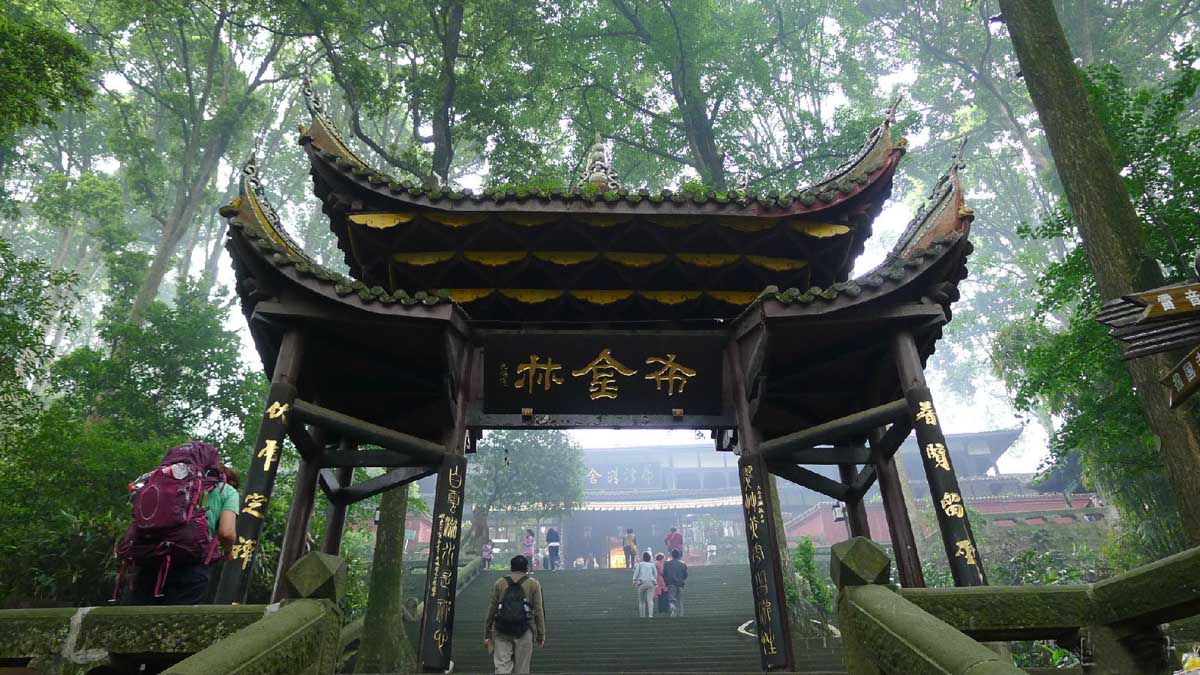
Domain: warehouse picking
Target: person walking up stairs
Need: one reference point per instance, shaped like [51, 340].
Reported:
[515, 619]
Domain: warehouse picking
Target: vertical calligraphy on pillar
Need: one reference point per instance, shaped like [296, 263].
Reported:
[437, 625]
[770, 605]
[965, 565]
[256, 494]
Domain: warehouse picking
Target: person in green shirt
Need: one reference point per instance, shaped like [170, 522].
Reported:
[187, 584]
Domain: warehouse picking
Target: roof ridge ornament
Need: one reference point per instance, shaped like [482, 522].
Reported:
[597, 171]
[316, 108]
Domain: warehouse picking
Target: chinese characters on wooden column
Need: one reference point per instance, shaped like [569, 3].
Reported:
[256, 495]
[770, 606]
[943, 488]
[437, 626]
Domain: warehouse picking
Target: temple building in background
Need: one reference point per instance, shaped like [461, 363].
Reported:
[654, 488]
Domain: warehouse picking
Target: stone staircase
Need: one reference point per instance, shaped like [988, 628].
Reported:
[592, 626]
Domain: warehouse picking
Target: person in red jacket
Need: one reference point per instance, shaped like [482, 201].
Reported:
[674, 541]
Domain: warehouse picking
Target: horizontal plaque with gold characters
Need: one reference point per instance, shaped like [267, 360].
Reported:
[602, 372]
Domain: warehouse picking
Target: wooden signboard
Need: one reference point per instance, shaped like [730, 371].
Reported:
[1168, 301]
[1184, 378]
[441, 577]
[604, 379]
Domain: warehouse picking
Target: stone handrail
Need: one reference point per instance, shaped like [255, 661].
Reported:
[302, 637]
[299, 636]
[1113, 624]
[885, 634]
[78, 639]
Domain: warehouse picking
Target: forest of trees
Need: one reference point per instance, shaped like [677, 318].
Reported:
[123, 126]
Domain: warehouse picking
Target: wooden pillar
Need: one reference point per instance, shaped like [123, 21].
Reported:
[965, 563]
[766, 568]
[762, 545]
[335, 514]
[295, 534]
[441, 579]
[904, 544]
[264, 464]
[856, 511]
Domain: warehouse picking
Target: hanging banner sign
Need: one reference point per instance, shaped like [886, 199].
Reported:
[1184, 378]
[1168, 301]
[574, 378]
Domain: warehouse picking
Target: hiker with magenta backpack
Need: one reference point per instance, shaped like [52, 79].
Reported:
[515, 619]
[181, 511]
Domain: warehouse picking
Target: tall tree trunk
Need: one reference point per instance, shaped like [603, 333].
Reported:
[188, 199]
[480, 530]
[211, 264]
[1108, 224]
[443, 147]
[385, 646]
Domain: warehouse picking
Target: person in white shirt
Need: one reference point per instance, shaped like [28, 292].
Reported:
[645, 580]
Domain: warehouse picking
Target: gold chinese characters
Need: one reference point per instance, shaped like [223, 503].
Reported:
[535, 372]
[603, 370]
[543, 374]
[937, 452]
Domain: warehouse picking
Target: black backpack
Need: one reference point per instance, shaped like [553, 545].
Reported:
[513, 616]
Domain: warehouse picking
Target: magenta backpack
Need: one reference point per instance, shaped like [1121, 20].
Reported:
[169, 523]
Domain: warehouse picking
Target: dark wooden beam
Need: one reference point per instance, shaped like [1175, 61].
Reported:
[864, 480]
[827, 454]
[359, 430]
[966, 565]
[856, 512]
[904, 544]
[809, 479]
[299, 513]
[841, 428]
[329, 483]
[891, 440]
[335, 514]
[259, 481]
[306, 445]
[353, 458]
[357, 492]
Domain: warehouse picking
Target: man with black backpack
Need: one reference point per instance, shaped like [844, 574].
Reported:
[515, 619]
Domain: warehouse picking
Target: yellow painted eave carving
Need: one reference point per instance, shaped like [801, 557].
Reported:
[465, 295]
[455, 219]
[820, 230]
[381, 221]
[423, 258]
[495, 258]
[602, 297]
[670, 297]
[530, 295]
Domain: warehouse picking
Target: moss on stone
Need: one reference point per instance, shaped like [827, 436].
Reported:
[26, 633]
[164, 629]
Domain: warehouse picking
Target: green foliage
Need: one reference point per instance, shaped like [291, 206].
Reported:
[31, 297]
[1061, 359]
[817, 587]
[110, 417]
[42, 70]
[537, 472]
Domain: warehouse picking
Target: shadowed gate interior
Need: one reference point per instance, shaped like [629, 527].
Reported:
[598, 306]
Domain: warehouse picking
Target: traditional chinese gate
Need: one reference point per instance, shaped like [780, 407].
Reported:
[598, 307]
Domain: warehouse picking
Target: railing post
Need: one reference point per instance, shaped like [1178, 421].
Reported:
[264, 464]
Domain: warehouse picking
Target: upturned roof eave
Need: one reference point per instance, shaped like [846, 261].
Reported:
[876, 161]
